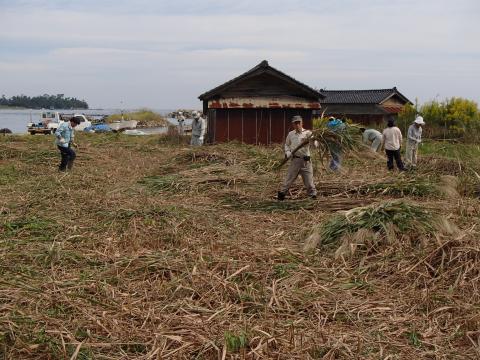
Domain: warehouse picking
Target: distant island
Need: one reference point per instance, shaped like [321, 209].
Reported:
[45, 101]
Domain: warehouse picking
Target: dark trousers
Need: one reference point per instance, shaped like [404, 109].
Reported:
[68, 156]
[394, 154]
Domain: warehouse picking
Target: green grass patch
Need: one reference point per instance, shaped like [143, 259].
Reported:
[160, 183]
[240, 203]
[9, 174]
[284, 270]
[33, 227]
[414, 338]
[41, 156]
[144, 117]
[465, 152]
[409, 187]
[235, 342]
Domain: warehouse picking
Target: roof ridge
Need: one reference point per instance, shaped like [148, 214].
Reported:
[264, 66]
[355, 90]
[366, 96]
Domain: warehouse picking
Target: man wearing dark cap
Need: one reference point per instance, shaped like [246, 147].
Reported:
[64, 140]
[300, 163]
[392, 142]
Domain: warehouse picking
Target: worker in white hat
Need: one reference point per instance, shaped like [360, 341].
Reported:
[414, 137]
[181, 123]
[300, 160]
[198, 129]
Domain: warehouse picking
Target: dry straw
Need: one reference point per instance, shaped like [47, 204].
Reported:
[101, 263]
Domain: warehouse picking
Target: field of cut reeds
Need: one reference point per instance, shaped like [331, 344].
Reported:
[150, 249]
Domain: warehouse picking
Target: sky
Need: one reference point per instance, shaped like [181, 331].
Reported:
[164, 54]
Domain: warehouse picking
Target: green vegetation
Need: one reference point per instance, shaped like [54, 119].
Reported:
[45, 101]
[236, 342]
[145, 118]
[401, 187]
[453, 118]
[460, 151]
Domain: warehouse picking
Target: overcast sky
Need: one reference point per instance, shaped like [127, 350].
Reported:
[163, 54]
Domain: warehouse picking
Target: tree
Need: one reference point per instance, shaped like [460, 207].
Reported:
[453, 117]
[44, 101]
[406, 116]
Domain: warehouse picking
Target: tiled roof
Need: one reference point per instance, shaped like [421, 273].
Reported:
[375, 96]
[263, 67]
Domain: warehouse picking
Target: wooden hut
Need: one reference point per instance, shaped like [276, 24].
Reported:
[366, 107]
[257, 106]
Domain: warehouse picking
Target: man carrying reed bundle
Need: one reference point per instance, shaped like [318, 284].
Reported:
[300, 159]
[336, 148]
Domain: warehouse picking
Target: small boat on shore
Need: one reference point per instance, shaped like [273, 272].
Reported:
[134, 132]
[124, 124]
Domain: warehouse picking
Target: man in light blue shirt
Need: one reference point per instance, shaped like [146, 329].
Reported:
[64, 139]
[338, 126]
[372, 137]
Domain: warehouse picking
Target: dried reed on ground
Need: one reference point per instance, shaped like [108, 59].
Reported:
[96, 265]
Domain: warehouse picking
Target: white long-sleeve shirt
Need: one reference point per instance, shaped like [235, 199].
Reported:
[294, 139]
[392, 138]
[414, 134]
[370, 135]
[198, 127]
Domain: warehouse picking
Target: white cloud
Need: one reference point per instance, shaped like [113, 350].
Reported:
[159, 56]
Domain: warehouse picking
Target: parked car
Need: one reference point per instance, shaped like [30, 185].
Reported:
[50, 120]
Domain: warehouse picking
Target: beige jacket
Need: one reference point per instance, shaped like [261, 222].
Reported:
[294, 139]
[392, 138]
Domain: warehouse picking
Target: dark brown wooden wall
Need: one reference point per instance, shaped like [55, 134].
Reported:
[265, 85]
[253, 126]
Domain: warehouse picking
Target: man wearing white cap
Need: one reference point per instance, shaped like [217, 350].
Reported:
[198, 129]
[414, 137]
[181, 122]
[300, 163]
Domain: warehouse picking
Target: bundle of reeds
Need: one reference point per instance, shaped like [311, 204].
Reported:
[326, 139]
[402, 187]
[381, 219]
[396, 188]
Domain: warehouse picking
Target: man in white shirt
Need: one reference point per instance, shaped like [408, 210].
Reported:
[300, 163]
[181, 122]
[414, 137]
[198, 129]
[392, 142]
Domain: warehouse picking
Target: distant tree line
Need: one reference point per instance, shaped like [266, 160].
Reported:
[45, 101]
[453, 118]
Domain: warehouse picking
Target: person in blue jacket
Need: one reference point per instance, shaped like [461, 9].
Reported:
[335, 125]
[64, 139]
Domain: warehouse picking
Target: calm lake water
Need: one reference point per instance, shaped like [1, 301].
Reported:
[17, 120]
